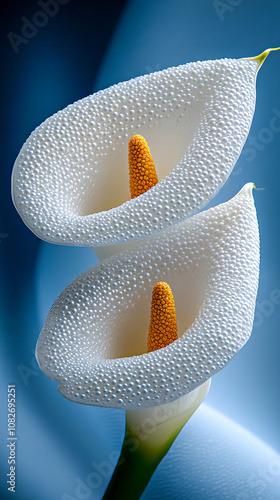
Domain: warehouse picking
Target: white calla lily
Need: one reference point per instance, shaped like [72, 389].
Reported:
[94, 341]
[70, 180]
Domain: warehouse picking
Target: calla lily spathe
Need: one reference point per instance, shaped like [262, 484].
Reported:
[94, 340]
[70, 180]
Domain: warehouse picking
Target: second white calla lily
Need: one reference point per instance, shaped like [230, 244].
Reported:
[94, 341]
[70, 180]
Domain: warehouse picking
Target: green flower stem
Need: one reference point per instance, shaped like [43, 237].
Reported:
[149, 434]
[134, 471]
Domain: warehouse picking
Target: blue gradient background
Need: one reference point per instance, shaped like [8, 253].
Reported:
[86, 47]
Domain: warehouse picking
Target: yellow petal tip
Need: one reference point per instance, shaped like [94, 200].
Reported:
[261, 57]
[247, 188]
[258, 189]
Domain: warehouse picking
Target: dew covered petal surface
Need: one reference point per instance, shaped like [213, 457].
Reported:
[94, 341]
[70, 181]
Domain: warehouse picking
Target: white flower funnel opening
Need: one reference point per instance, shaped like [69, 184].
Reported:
[70, 181]
[94, 341]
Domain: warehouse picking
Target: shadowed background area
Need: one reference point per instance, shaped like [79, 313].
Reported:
[66, 451]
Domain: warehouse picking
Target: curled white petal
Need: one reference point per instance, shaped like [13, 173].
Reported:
[94, 340]
[70, 180]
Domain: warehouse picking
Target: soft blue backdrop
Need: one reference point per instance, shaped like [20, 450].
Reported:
[83, 48]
